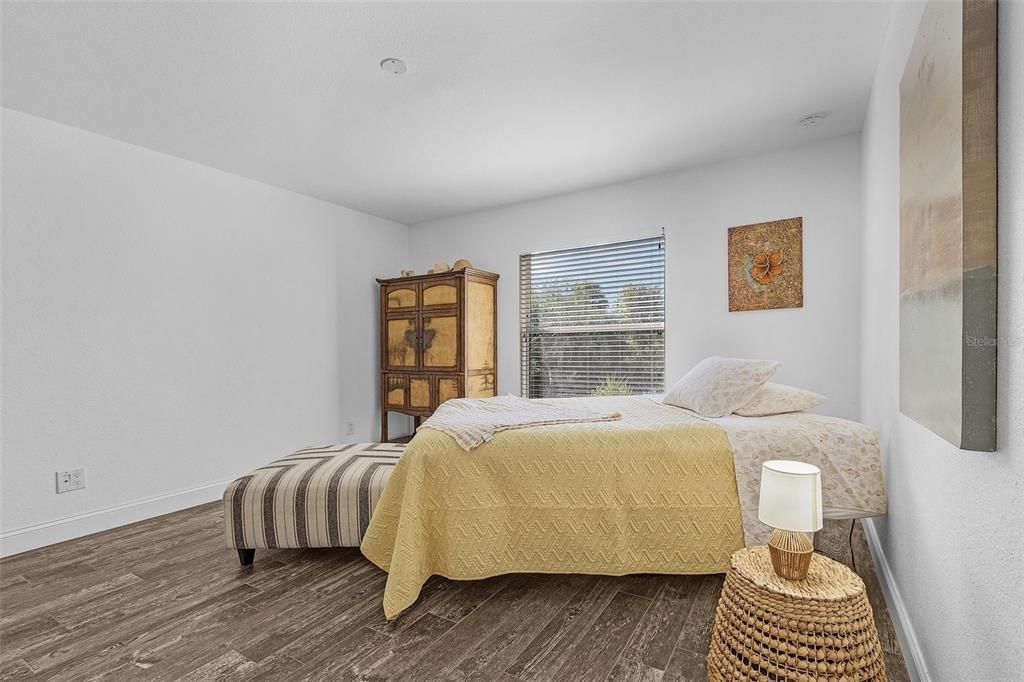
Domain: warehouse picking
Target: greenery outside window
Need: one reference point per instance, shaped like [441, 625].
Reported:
[592, 320]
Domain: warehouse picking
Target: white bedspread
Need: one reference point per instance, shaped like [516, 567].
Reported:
[847, 453]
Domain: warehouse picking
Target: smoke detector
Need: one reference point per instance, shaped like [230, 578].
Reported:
[395, 67]
[814, 119]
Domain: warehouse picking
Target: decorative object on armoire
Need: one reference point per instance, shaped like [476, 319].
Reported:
[948, 232]
[438, 267]
[408, 273]
[790, 502]
[766, 265]
[438, 340]
[461, 264]
[769, 628]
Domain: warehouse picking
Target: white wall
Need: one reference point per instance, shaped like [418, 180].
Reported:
[818, 343]
[953, 542]
[168, 326]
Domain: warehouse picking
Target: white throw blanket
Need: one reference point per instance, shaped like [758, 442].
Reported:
[474, 421]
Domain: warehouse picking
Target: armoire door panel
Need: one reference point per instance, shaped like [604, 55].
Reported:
[441, 337]
[448, 388]
[400, 342]
[401, 297]
[443, 292]
[395, 388]
[419, 393]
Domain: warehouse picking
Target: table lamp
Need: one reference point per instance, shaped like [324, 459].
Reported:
[791, 504]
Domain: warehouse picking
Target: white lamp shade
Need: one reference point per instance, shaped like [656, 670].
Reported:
[790, 496]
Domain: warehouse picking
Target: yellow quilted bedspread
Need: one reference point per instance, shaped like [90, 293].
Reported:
[652, 493]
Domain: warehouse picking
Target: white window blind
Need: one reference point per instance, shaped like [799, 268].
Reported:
[592, 320]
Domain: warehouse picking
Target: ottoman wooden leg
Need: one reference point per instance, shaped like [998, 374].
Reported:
[246, 556]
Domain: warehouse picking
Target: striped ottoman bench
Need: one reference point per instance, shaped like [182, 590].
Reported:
[317, 497]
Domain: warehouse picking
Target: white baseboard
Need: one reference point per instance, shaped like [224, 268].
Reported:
[897, 608]
[70, 527]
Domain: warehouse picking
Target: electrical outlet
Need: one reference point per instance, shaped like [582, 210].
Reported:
[350, 429]
[73, 479]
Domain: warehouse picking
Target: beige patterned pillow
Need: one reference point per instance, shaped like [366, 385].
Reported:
[717, 386]
[779, 399]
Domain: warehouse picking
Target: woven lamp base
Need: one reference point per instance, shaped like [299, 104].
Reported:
[791, 554]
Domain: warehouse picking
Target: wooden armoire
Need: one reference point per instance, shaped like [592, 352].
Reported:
[438, 340]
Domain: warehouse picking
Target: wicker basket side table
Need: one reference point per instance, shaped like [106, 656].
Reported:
[768, 628]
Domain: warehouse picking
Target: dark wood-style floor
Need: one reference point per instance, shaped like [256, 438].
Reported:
[163, 599]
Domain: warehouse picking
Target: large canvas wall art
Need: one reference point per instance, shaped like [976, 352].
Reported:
[948, 336]
[766, 265]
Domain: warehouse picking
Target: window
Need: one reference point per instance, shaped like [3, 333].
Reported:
[592, 320]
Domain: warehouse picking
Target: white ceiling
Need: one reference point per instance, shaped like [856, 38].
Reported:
[503, 102]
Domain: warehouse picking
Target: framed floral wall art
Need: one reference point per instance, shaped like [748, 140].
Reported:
[766, 265]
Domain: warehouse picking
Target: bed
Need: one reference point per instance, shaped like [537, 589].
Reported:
[659, 490]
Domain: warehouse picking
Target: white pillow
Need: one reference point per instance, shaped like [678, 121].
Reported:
[718, 386]
[779, 399]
